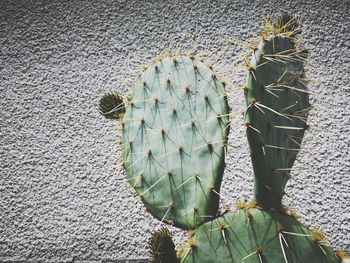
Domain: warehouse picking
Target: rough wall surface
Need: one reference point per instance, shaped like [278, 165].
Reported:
[62, 196]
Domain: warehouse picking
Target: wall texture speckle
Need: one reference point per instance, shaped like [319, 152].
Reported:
[62, 196]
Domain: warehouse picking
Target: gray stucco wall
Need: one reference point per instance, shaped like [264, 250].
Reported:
[62, 197]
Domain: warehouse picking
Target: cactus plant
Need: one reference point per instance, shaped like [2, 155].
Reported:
[174, 132]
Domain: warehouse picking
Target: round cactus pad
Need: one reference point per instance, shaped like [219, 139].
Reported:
[256, 236]
[174, 134]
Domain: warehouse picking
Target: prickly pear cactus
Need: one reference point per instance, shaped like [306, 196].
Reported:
[174, 133]
[277, 107]
[173, 137]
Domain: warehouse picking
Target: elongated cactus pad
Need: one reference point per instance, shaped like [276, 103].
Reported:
[278, 104]
[253, 235]
[173, 137]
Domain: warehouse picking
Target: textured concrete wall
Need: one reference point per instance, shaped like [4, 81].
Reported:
[62, 197]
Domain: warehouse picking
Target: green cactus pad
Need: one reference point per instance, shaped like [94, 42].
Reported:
[253, 235]
[277, 107]
[173, 137]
